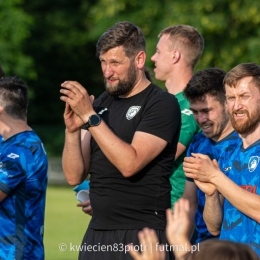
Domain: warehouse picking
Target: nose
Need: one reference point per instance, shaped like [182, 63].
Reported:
[201, 118]
[153, 57]
[237, 104]
[107, 70]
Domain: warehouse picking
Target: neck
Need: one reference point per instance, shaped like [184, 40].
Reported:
[226, 131]
[250, 138]
[12, 127]
[178, 80]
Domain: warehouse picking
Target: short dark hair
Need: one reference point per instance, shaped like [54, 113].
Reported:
[14, 97]
[206, 82]
[187, 39]
[241, 71]
[2, 73]
[124, 34]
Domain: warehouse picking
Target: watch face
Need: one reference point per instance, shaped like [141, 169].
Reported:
[95, 120]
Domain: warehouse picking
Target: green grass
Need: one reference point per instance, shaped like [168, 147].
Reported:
[64, 223]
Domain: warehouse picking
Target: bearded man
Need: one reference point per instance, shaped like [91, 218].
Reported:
[128, 146]
[232, 187]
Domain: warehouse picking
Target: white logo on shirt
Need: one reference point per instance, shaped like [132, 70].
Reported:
[102, 111]
[132, 111]
[253, 162]
[227, 168]
[13, 155]
[187, 112]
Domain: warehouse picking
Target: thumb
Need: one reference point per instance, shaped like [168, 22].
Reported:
[215, 163]
[91, 98]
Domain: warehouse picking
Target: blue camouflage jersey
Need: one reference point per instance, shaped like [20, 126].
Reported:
[242, 167]
[23, 177]
[201, 144]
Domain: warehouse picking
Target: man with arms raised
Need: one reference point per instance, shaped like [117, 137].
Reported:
[177, 53]
[206, 94]
[237, 180]
[128, 146]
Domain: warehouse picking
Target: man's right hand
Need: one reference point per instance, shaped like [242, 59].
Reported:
[72, 121]
[86, 207]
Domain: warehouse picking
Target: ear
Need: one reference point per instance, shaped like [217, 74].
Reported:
[140, 59]
[176, 56]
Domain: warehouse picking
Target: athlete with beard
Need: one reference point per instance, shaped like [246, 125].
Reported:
[126, 140]
[232, 188]
[206, 94]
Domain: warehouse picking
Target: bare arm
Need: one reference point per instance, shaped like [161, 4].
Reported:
[245, 201]
[201, 168]
[213, 213]
[180, 150]
[190, 194]
[143, 149]
[76, 152]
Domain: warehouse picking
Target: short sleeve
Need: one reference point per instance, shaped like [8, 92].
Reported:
[189, 126]
[162, 117]
[13, 168]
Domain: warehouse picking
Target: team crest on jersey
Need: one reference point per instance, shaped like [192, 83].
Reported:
[253, 162]
[13, 155]
[187, 112]
[132, 111]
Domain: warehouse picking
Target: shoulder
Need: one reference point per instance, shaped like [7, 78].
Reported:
[199, 138]
[24, 146]
[154, 94]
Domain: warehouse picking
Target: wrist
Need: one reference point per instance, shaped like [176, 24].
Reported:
[72, 132]
[94, 120]
[86, 116]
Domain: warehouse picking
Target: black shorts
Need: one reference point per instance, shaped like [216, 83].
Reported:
[113, 244]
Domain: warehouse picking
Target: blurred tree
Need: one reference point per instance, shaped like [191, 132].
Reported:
[48, 42]
[231, 29]
[14, 30]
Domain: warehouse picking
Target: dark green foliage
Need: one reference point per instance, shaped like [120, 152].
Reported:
[48, 42]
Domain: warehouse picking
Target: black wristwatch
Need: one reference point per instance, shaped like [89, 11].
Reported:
[93, 120]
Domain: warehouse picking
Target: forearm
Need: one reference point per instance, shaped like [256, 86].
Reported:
[129, 159]
[245, 201]
[72, 158]
[213, 213]
[190, 193]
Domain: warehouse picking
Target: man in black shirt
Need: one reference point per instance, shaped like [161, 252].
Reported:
[126, 140]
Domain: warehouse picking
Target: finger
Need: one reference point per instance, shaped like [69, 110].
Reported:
[92, 98]
[216, 163]
[169, 215]
[190, 159]
[67, 86]
[151, 237]
[136, 255]
[87, 210]
[199, 155]
[189, 168]
[162, 254]
[176, 211]
[84, 204]
[76, 85]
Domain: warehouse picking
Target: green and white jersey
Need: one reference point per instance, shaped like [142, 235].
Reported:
[189, 128]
